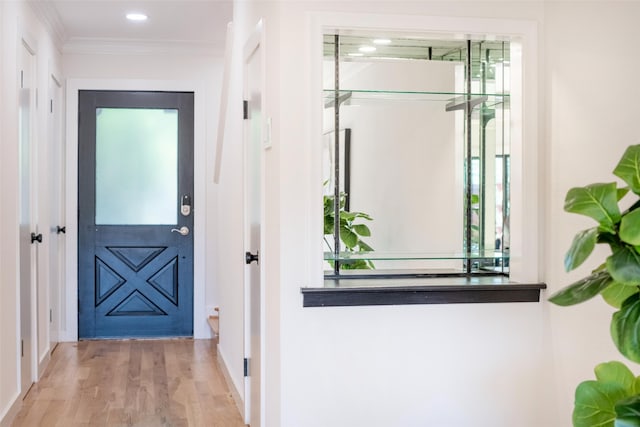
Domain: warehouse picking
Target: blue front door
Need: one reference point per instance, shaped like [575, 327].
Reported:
[135, 219]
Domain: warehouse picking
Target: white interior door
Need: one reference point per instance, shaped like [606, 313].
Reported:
[253, 132]
[27, 246]
[57, 227]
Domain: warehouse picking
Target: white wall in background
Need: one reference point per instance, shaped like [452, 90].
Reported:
[590, 121]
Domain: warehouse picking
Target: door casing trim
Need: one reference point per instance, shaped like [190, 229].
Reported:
[69, 328]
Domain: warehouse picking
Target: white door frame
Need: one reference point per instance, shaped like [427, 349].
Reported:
[56, 161]
[69, 328]
[255, 45]
[30, 349]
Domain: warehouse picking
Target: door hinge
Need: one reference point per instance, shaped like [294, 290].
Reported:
[51, 105]
[246, 367]
[50, 316]
[21, 348]
[245, 109]
[21, 79]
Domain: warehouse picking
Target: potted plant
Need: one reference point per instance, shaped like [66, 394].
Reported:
[613, 398]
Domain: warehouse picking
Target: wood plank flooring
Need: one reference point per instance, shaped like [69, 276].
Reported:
[131, 383]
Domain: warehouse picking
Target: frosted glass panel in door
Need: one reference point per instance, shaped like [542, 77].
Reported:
[136, 166]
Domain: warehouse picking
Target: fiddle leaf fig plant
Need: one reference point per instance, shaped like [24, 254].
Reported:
[351, 232]
[610, 400]
[613, 399]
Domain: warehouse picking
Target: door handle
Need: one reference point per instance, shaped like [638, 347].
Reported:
[36, 237]
[184, 230]
[249, 257]
[62, 230]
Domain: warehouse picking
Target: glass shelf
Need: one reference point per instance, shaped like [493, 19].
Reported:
[370, 97]
[450, 100]
[418, 265]
[408, 256]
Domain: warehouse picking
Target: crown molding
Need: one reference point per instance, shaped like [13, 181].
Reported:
[106, 46]
[47, 13]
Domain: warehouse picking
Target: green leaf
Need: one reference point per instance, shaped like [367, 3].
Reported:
[355, 264]
[598, 201]
[349, 216]
[616, 372]
[328, 227]
[630, 228]
[349, 238]
[622, 192]
[616, 293]
[362, 215]
[628, 169]
[624, 266]
[364, 247]
[581, 247]
[582, 290]
[595, 404]
[362, 230]
[628, 412]
[625, 328]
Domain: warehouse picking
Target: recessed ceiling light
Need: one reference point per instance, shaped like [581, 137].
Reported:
[367, 49]
[138, 17]
[382, 41]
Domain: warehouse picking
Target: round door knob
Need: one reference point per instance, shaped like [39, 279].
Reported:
[249, 257]
[36, 237]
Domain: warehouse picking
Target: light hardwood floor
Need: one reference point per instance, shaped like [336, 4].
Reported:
[131, 383]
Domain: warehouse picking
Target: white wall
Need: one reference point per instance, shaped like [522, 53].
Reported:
[230, 273]
[9, 317]
[197, 71]
[230, 228]
[592, 118]
[454, 365]
[18, 20]
[386, 366]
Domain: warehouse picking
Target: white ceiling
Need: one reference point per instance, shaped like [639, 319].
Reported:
[200, 23]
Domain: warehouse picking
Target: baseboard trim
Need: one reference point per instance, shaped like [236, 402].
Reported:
[12, 412]
[42, 366]
[227, 377]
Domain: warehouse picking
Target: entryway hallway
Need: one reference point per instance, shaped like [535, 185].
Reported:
[131, 383]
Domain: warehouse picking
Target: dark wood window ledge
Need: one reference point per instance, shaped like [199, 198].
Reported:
[386, 292]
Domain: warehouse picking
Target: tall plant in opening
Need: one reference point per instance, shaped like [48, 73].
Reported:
[613, 398]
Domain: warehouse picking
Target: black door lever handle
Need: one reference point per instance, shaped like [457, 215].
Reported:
[36, 237]
[62, 230]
